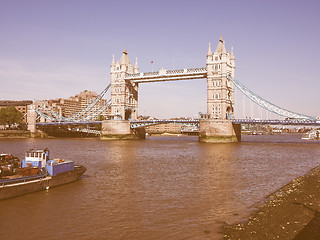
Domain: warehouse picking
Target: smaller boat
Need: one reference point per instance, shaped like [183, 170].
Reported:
[35, 173]
[311, 135]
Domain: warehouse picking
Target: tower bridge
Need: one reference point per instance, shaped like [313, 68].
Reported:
[125, 80]
[220, 125]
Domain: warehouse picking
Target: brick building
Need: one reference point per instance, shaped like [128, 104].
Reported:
[21, 106]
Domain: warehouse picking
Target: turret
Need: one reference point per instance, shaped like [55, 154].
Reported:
[209, 54]
[231, 54]
[232, 62]
[113, 64]
[209, 60]
[136, 67]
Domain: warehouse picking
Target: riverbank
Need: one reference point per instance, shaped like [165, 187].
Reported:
[20, 134]
[292, 212]
[14, 134]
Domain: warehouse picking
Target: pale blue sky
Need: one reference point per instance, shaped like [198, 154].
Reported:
[52, 49]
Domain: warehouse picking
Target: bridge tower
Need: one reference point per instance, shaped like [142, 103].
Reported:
[124, 102]
[220, 90]
[220, 98]
[124, 94]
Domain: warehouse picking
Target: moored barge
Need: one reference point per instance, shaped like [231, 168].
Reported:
[39, 172]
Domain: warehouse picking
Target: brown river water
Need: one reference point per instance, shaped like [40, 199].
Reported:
[159, 188]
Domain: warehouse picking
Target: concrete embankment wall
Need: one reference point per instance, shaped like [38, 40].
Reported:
[14, 134]
[21, 134]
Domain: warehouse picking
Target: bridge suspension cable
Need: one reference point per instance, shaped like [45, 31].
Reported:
[268, 105]
[98, 111]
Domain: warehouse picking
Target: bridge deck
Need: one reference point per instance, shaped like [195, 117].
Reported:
[167, 75]
[144, 123]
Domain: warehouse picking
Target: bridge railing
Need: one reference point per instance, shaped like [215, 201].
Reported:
[168, 73]
[145, 123]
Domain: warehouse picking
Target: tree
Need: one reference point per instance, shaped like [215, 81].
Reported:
[101, 118]
[10, 116]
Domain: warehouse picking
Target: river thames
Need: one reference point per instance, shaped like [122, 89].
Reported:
[159, 188]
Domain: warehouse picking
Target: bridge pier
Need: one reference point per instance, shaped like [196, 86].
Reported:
[31, 119]
[120, 129]
[219, 131]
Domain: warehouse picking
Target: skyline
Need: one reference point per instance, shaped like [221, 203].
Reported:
[56, 49]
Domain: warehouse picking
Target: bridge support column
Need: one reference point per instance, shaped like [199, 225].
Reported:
[31, 118]
[219, 131]
[120, 129]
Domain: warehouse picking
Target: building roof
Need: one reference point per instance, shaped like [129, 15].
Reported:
[124, 58]
[221, 48]
[7, 103]
[87, 94]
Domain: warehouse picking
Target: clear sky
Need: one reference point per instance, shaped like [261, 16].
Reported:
[56, 49]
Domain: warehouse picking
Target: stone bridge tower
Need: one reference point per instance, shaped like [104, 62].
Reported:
[124, 102]
[220, 98]
[220, 90]
[124, 94]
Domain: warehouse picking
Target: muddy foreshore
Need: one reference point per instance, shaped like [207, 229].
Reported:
[292, 212]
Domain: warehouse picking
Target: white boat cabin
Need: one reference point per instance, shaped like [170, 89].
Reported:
[37, 158]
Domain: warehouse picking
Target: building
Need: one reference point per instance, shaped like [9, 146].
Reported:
[21, 106]
[164, 128]
[73, 105]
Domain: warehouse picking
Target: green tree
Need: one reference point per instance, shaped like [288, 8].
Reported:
[10, 116]
[101, 118]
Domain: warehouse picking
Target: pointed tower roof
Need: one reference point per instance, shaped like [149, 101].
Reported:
[124, 58]
[209, 50]
[221, 48]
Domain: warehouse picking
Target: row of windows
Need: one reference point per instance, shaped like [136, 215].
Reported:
[216, 109]
[217, 66]
[130, 100]
[216, 96]
[116, 110]
[216, 83]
